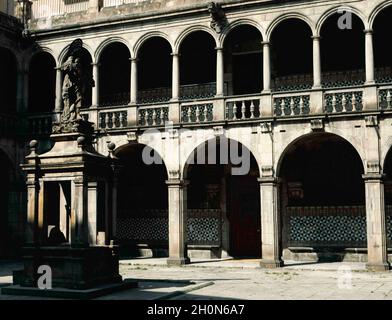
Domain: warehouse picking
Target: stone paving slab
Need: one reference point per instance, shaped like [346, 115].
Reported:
[324, 282]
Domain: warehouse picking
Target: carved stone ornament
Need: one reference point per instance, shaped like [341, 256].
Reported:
[218, 17]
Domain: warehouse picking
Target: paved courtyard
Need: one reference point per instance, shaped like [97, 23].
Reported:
[241, 280]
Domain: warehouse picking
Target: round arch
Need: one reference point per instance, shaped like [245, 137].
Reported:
[303, 137]
[64, 52]
[143, 39]
[211, 138]
[324, 17]
[107, 42]
[187, 32]
[376, 11]
[275, 23]
[239, 23]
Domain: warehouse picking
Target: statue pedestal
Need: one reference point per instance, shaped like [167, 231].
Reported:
[70, 199]
[72, 268]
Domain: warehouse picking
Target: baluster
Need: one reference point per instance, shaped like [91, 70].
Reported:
[122, 119]
[189, 114]
[389, 99]
[344, 103]
[243, 110]
[354, 101]
[235, 111]
[334, 101]
[228, 112]
[292, 106]
[162, 116]
[155, 116]
[107, 120]
[301, 105]
[205, 113]
[283, 106]
[198, 113]
[252, 110]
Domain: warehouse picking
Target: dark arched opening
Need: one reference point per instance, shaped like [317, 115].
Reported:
[382, 56]
[42, 71]
[292, 69]
[343, 50]
[114, 75]
[8, 81]
[223, 205]
[155, 71]
[198, 66]
[322, 199]
[142, 221]
[244, 60]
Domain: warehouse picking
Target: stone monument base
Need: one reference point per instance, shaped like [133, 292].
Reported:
[71, 268]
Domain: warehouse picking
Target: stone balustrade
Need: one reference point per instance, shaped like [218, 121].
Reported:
[197, 113]
[243, 108]
[40, 124]
[152, 115]
[291, 105]
[348, 100]
[385, 97]
[113, 119]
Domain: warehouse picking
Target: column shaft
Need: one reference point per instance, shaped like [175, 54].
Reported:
[220, 73]
[176, 77]
[79, 213]
[376, 223]
[95, 97]
[316, 63]
[270, 223]
[177, 223]
[266, 67]
[369, 57]
[59, 91]
[134, 81]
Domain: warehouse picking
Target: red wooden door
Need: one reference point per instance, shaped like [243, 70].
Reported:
[244, 217]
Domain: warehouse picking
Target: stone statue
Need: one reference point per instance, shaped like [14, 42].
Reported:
[218, 17]
[75, 84]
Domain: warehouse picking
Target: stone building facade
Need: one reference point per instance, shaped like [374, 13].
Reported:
[305, 87]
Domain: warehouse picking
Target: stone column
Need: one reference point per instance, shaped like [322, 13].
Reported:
[266, 67]
[32, 209]
[92, 212]
[134, 81]
[376, 223]
[79, 213]
[220, 72]
[369, 57]
[177, 222]
[316, 63]
[116, 176]
[270, 223]
[59, 90]
[95, 97]
[176, 77]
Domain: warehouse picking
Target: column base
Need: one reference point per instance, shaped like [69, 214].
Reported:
[271, 264]
[378, 267]
[177, 262]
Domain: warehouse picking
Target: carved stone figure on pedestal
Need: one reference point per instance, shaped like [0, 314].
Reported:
[75, 84]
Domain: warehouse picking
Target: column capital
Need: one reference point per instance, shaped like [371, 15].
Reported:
[177, 183]
[134, 59]
[368, 31]
[175, 54]
[219, 48]
[316, 37]
[95, 64]
[269, 180]
[373, 177]
[265, 43]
